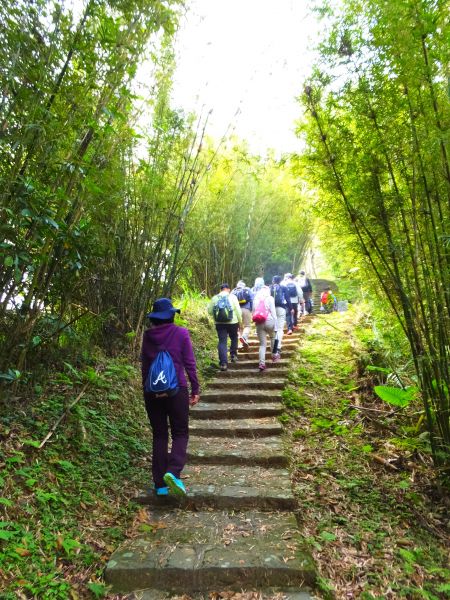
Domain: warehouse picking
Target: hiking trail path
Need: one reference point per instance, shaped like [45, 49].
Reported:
[237, 529]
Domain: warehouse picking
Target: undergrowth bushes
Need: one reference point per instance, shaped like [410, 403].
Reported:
[371, 508]
[66, 501]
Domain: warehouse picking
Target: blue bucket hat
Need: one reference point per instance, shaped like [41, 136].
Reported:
[163, 309]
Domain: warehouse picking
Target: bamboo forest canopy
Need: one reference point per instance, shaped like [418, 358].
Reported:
[110, 198]
[377, 122]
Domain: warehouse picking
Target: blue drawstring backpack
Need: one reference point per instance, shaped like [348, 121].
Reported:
[162, 380]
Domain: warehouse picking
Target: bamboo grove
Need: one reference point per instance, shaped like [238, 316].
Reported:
[377, 122]
[109, 195]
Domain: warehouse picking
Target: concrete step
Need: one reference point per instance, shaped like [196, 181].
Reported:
[257, 381]
[245, 363]
[254, 355]
[235, 410]
[236, 487]
[262, 594]
[243, 428]
[294, 338]
[268, 451]
[197, 551]
[251, 372]
[243, 396]
[287, 343]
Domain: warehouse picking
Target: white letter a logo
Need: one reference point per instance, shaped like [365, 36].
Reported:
[161, 378]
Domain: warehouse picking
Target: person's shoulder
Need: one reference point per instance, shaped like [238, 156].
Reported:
[182, 330]
[183, 333]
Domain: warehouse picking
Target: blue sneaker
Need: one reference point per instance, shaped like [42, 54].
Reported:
[162, 491]
[175, 485]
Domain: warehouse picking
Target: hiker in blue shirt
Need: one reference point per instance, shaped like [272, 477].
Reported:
[282, 305]
[296, 297]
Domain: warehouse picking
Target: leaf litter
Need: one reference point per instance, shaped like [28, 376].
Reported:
[359, 508]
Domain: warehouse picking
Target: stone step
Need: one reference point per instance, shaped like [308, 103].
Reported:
[254, 353]
[262, 594]
[251, 372]
[234, 451]
[235, 410]
[245, 363]
[243, 428]
[236, 487]
[258, 381]
[294, 337]
[242, 396]
[288, 342]
[197, 551]
[286, 346]
[254, 358]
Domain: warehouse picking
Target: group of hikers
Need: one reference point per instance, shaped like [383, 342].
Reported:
[270, 307]
[167, 357]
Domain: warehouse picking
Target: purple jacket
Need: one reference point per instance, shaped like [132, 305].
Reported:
[177, 341]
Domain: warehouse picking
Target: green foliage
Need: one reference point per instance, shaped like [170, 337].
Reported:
[377, 114]
[395, 396]
[250, 220]
[10, 375]
[78, 486]
[349, 502]
[73, 485]
[77, 225]
[292, 398]
[194, 316]
[98, 589]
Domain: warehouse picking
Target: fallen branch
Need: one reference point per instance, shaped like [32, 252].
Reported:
[386, 414]
[384, 462]
[63, 416]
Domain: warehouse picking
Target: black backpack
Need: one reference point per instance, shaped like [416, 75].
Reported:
[292, 289]
[277, 294]
[243, 295]
[307, 287]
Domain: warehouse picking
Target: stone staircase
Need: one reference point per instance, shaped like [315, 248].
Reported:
[236, 530]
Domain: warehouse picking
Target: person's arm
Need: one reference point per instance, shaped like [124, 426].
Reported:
[272, 311]
[287, 297]
[190, 366]
[254, 297]
[237, 308]
[211, 306]
[239, 311]
[145, 362]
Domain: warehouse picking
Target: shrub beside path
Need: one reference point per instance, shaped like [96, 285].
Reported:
[237, 529]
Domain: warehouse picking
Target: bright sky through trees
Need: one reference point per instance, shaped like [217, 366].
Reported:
[246, 54]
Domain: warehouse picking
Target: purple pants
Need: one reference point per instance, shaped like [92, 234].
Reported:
[163, 412]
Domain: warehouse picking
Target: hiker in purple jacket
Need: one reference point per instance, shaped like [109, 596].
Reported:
[165, 335]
